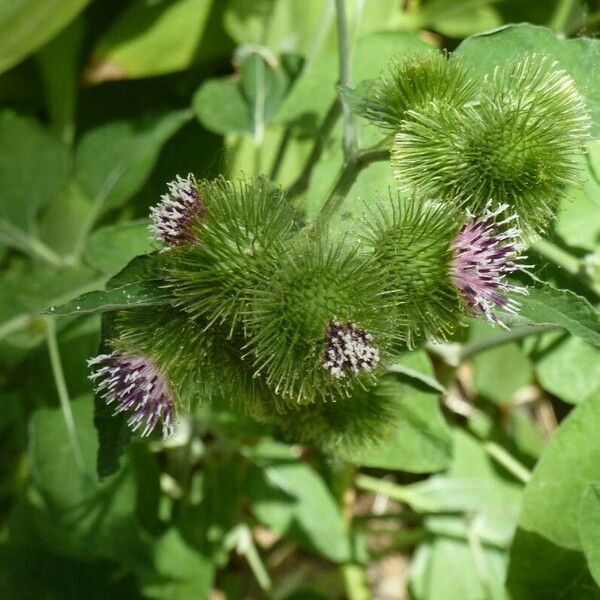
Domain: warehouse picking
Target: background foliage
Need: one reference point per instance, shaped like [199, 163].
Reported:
[488, 486]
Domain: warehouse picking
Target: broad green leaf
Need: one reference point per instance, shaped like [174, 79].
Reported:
[150, 39]
[578, 56]
[33, 168]
[59, 66]
[110, 249]
[570, 462]
[450, 571]
[25, 25]
[540, 569]
[421, 440]
[545, 304]
[114, 160]
[180, 571]
[589, 528]
[138, 284]
[244, 107]
[578, 220]
[221, 107]
[129, 295]
[288, 496]
[87, 518]
[491, 367]
[568, 367]
[456, 19]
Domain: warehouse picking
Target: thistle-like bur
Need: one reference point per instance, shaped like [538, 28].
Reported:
[519, 144]
[412, 82]
[244, 228]
[440, 266]
[317, 324]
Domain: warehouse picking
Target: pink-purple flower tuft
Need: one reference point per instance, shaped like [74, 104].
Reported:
[349, 349]
[485, 250]
[178, 209]
[137, 387]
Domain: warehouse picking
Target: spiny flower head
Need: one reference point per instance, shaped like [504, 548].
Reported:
[410, 242]
[348, 349]
[245, 228]
[414, 81]
[519, 144]
[485, 250]
[137, 387]
[178, 209]
[317, 323]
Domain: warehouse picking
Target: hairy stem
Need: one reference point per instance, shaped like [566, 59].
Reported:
[349, 140]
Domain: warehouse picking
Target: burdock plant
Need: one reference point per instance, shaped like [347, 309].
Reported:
[297, 327]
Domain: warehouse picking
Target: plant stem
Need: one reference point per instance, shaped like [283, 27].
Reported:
[505, 337]
[481, 566]
[13, 325]
[301, 184]
[346, 178]
[563, 259]
[355, 581]
[349, 140]
[63, 394]
[510, 463]
[28, 244]
[562, 13]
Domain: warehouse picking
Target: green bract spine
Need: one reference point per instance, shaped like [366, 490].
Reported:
[315, 290]
[519, 144]
[411, 245]
[244, 229]
[412, 82]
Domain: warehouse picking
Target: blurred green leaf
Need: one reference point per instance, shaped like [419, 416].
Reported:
[246, 106]
[288, 496]
[570, 462]
[149, 39]
[579, 56]
[180, 571]
[421, 440]
[450, 571]
[589, 528]
[490, 378]
[540, 569]
[25, 25]
[568, 367]
[114, 160]
[59, 66]
[457, 18]
[110, 249]
[84, 517]
[33, 168]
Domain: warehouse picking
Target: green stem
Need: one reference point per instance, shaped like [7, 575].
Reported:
[301, 184]
[241, 538]
[30, 245]
[346, 178]
[349, 139]
[562, 12]
[481, 566]
[355, 581]
[504, 337]
[63, 394]
[563, 259]
[14, 325]
[511, 464]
